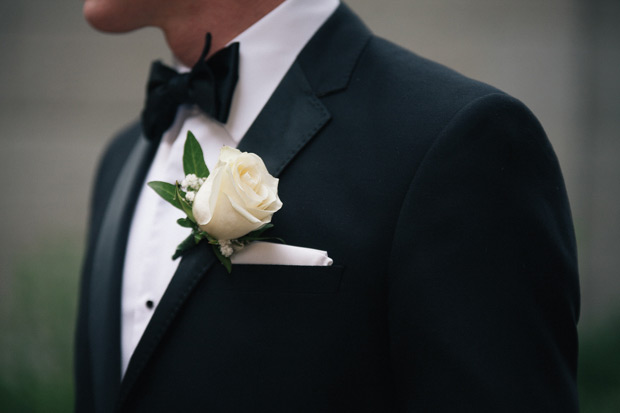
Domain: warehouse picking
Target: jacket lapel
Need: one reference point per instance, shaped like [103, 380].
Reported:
[106, 280]
[295, 113]
[293, 130]
[290, 119]
[191, 269]
[278, 135]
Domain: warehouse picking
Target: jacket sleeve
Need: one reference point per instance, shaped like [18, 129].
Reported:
[483, 288]
[107, 173]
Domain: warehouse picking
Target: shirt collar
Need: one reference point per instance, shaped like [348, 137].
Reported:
[267, 50]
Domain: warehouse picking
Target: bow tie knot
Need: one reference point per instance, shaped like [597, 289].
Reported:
[180, 87]
[209, 85]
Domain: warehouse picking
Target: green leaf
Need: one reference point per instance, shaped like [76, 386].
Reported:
[185, 206]
[185, 223]
[183, 247]
[210, 239]
[193, 158]
[166, 191]
[199, 236]
[224, 260]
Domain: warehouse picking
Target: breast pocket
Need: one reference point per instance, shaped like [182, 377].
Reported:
[277, 279]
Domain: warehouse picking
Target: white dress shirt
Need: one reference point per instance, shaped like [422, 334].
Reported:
[267, 50]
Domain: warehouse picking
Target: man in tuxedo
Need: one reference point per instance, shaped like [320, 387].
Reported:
[438, 198]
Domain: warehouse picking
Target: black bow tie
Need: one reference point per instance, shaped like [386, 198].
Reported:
[209, 85]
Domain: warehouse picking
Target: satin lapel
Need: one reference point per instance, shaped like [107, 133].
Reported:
[106, 278]
[293, 129]
[290, 119]
[191, 269]
[295, 113]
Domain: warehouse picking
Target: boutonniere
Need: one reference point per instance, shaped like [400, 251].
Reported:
[229, 207]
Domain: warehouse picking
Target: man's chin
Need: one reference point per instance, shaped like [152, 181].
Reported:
[104, 18]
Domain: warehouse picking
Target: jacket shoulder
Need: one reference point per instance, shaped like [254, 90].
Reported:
[405, 73]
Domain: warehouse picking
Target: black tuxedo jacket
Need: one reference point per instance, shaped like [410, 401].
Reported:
[454, 285]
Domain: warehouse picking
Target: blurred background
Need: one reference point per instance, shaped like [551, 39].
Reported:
[65, 89]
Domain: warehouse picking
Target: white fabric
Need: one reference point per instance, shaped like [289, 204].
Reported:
[267, 49]
[272, 253]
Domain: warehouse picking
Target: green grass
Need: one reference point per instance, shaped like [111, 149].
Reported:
[599, 368]
[37, 314]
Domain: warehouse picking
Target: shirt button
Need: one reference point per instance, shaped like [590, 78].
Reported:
[149, 304]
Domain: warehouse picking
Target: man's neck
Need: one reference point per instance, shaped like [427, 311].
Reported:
[185, 32]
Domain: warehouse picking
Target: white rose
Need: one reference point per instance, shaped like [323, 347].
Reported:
[238, 197]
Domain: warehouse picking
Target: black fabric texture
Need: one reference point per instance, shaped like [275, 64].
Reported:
[441, 202]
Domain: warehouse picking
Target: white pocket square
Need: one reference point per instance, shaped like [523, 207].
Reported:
[270, 253]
